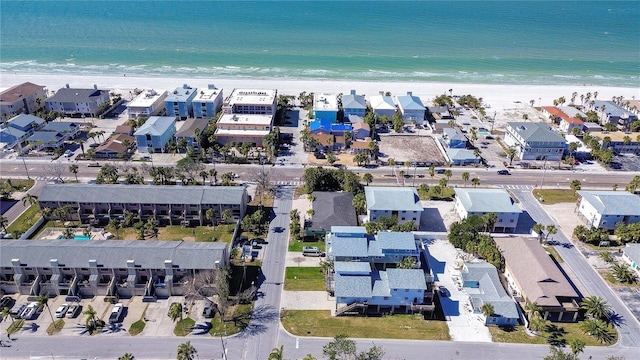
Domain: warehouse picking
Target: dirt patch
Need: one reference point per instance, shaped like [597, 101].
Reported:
[343, 159]
[188, 238]
[403, 148]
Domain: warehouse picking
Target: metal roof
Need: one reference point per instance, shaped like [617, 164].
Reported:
[24, 120]
[410, 102]
[486, 200]
[610, 202]
[353, 285]
[143, 194]
[406, 279]
[77, 95]
[396, 240]
[538, 132]
[148, 254]
[352, 101]
[352, 267]
[392, 198]
[156, 125]
[489, 289]
[633, 252]
[381, 102]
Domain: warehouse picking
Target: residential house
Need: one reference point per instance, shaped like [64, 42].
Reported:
[246, 128]
[454, 138]
[610, 112]
[320, 126]
[25, 98]
[325, 107]
[383, 105]
[402, 202]
[607, 209]
[124, 129]
[438, 126]
[583, 152]
[533, 277]
[179, 102]
[19, 129]
[110, 268]
[325, 142]
[172, 205]
[154, 135]
[190, 131]
[481, 282]
[353, 119]
[565, 117]
[70, 129]
[148, 103]
[631, 254]
[12, 137]
[251, 101]
[79, 102]
[116, 147]
[462, 156]
[353, 104]
[484, 201]
[591, 127]
[534, 141]
[411, 108]
[440, 112]
[47, 140]
[360, 131]
[207, 103]
[340, 129]
[619, 142]
[360, 146]
[330, 209]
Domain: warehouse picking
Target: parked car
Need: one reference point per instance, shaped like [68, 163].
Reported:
[93, 164]
[74, 311]
[7, 301]
[17, 311]
[259, 240]
[61, 311]
[30, 311]
[504, 172]
[312, 251]
[68, 153]
[209, 310]
[439, 171]
[116, 312]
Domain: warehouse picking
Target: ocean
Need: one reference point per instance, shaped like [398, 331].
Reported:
[492, 42]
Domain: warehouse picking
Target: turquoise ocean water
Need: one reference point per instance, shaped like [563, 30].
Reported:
[511, 42]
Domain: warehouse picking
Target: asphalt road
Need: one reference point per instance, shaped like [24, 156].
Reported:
[628, 325]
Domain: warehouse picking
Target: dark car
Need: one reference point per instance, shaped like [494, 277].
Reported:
[7, 301]
[504, 172]
[439, 171]
[93, 164]
[259, 240]
[209, 310]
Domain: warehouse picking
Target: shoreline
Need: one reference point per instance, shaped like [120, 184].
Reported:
[500, 97]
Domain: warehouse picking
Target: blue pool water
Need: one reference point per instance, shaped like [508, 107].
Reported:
[77, 237]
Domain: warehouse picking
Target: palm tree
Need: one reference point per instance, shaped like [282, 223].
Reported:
[277, 353]
[4, 222]
[392, 164]
[91, 313]
[487, 310]
[175, 313]
[431, 171]
[227, 215]
[465, 177]
[577, 346]
[551, 230]
[539, 229]
[408, 262]
[74, 169]
[116, 224]
[623, 273]
[127, 356]
[368, 178]
[204, 175]
[511, 153]
[596, 307]
[448, 173]
[214, 174]
[28, 198]
[6, 312]
[490, 220]
[598, 329]
[186, 351]
[43, 301]
[475, 181]
[211, 215]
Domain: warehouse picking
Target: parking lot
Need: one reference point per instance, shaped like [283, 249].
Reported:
[625, 162]
[153, 313]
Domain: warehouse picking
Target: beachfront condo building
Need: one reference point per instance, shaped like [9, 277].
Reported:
[325, 107]
[244, 128]
[179, 102]
[154, 135]
[383, 105]
[251, 101]
[26, 98]
[147, 103]
[79, 102]
[353, 104]
[411, 108]
[534, 141]
[610, 112]
[188, 134]
[207, 103]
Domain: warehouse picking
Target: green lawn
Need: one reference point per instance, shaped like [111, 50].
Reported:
[554, 253]
[222, 233]
[304, 279]
[555, 196]
[15, 326]
[55, 327]
[183, 328]
[558, 333]
[237, 318]
[296, 246]
[137, 327]
[321, 323]
[26, 220]
[19, 184]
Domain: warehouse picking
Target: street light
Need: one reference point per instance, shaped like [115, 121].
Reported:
[544, 172]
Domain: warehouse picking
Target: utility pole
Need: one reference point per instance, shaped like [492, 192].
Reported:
[544, 172]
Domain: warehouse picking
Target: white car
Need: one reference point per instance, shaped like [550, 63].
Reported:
[61, 311]
[29, 311]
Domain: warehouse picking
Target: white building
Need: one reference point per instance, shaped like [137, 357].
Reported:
[25, 98]
[402, 202]
[147, 103]
[250, 128]
[534, 141]
[606, 209]
[325, 107]
[207, 103]
[484, 201]
[382, 105]
[251, 101]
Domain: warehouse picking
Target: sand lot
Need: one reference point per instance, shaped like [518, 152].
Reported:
[410, 148]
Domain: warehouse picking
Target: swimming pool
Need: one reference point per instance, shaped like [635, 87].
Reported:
[77, 237]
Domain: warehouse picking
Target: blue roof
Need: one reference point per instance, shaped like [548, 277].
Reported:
[407, 279]
[610, 202]
[353, 286]
[380, 281]
[348, 246]
[352, 267]
[489, 289]
[345, 231]
[46, 137]
[156, 125]
[612, 109]
[351, 101]
[396, 240]
[392, 198]
[60, 126]
[10, 135]
[24, 120]
[410, 102]
[341, 127]
[461, 154]
[486, 200]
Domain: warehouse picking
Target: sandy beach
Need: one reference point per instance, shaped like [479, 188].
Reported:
[500, 98]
